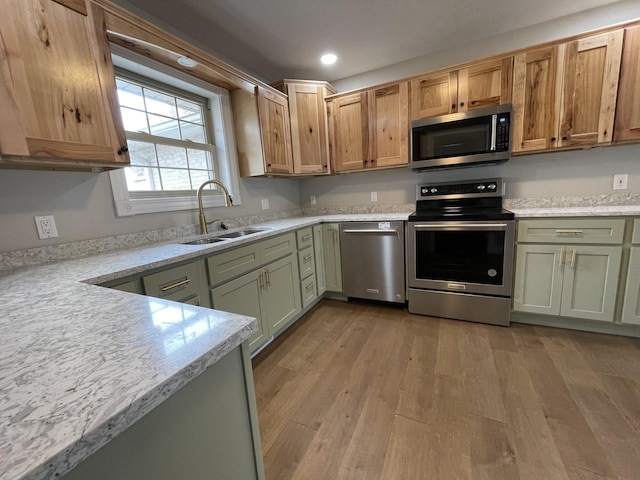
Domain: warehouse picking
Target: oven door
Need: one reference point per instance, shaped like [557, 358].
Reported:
[466, 257]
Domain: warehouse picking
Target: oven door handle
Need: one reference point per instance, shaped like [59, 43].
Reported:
[466, 226]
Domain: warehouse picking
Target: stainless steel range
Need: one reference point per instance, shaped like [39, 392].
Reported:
[460, 244]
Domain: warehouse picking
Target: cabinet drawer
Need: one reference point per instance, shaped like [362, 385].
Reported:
[636, 231]
[307, 262]
[177, 283]
[305, 238]
[609, 231]
[309, 290]
[233, 263]
[277, 247]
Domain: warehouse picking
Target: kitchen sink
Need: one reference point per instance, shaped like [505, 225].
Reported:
[242, 233]
[205, 241]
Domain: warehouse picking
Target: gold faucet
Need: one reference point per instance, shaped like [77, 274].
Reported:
[228, 202]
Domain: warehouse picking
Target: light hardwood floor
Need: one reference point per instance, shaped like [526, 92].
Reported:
[367, 392]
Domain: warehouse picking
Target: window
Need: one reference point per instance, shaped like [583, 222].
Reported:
[167, 135]
[179, 134]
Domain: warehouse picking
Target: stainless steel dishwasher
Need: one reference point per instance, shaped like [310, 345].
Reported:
[373, 260]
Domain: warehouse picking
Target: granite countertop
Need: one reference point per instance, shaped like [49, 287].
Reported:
[79, 363]
[583, 211]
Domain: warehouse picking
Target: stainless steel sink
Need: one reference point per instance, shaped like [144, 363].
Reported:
[242, 233]
[205, 241]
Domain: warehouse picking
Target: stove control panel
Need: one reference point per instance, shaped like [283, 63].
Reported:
[474, 188]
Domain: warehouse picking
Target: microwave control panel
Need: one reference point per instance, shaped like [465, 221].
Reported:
[502, 131]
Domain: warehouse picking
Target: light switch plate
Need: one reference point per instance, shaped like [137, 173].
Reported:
[265, 204]
[312, 199]
[620, 181]
[374, 196]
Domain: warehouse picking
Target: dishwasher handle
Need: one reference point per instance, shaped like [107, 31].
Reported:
[371, 230]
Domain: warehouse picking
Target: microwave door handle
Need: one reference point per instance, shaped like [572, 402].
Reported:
[494, 126]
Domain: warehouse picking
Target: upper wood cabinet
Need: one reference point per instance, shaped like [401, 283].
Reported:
[309, 130]
[627, 123]
[479, 85]
[370, 129]
[58, 101]
[263, 134]
[564, 96]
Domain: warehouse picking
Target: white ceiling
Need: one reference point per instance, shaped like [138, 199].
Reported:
[285, 38]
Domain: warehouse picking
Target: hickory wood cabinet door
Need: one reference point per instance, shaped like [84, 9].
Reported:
[309, 129]
[564, 96]
[370, 129]
[58, 101]
[273, 110]
[478, 85]
[349, 132]
[627, 122]
[389, 125]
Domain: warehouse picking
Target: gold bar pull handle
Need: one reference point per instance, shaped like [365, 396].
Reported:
[310, 286]
[560, 256]
[261, 281]
[307, 257]
[305, 237]
[569, 232]
[573, 258]
[268, 275]
[176, 285]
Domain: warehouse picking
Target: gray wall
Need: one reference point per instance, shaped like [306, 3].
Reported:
[581, 172]
[82, 205]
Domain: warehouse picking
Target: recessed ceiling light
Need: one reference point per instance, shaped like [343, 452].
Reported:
[187, 62]
[328, 58]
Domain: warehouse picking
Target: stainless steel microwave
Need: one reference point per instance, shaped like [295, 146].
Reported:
[462, 139]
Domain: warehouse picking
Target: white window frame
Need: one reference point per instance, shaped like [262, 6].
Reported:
[224, 140]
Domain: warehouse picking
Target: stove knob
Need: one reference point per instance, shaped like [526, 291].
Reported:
[434, 190]
[492, 186]
[480, 187]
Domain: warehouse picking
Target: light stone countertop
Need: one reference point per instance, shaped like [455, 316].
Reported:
[584, 211]
[79, 363]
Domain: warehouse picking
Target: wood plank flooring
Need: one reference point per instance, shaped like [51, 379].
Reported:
[356, 391]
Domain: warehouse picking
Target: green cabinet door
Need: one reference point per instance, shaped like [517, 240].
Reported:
[332, 260]
[538, 279]
[281, 294]
[631, 310]
[590, 282]
[243, 296]
[321, 283]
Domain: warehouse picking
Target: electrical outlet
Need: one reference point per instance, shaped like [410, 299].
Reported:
[374, 196]
[46, 226]
[620, 181]
[312, 199]
[265, 204]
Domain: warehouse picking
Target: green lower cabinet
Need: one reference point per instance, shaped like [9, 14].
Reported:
[332, 259]
[578, 281]
[270, 294]
[318, 250]
[538, 279]
[242, 296]
[631, 310]
[282, 292]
